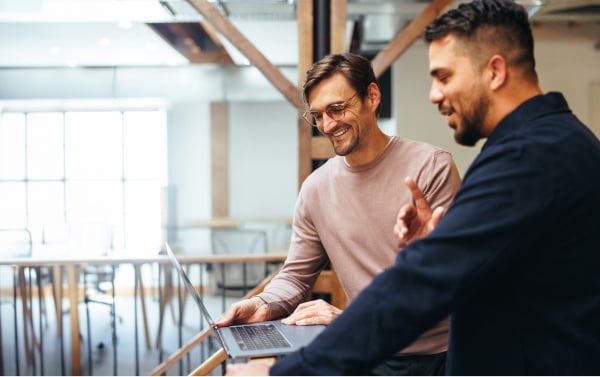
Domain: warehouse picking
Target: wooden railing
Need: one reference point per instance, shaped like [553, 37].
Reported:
[66, 285]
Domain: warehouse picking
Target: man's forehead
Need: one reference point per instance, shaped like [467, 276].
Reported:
[444, 54]
[331, 90]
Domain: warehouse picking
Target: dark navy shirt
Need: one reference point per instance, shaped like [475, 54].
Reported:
[515, 261]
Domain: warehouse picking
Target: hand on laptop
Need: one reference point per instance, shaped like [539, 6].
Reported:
[317, 312]
[245, 311]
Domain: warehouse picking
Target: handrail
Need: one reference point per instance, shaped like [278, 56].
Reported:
[45, 260]
[215, 359]
[210, 364]
[227, 222]
[162, 367]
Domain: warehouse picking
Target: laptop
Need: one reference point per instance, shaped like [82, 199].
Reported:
[249, 340]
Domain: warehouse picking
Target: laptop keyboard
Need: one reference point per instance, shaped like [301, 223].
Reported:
[256, 337]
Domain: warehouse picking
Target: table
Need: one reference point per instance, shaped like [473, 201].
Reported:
[71, 266]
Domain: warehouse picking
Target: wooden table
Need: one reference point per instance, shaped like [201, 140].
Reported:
[72, 266]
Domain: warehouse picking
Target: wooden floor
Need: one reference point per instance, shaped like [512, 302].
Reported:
[133, 357]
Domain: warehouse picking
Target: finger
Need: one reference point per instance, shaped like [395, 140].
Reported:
[226, 319]
[406, 212]
[418, 197]
[405, 216]
[437, 215]
[296, 316]
[313, 321]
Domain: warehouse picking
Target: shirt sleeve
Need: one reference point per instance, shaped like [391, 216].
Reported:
[306, 258]
[440, 181]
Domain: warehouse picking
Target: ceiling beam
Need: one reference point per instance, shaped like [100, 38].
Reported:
[408, 36]
[194, 40]
[271, 72]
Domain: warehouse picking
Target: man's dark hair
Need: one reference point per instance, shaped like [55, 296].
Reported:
[488, 27]
[357, 69]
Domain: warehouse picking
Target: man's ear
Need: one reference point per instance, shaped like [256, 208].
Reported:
[498, 71]
[373, 95]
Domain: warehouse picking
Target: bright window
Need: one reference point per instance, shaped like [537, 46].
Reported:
[85, 170]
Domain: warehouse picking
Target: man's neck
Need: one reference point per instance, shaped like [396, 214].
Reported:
[370, 151]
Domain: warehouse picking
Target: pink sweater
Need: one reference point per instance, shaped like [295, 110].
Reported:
[346, 215]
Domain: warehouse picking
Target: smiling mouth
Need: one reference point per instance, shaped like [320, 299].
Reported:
[340, 132]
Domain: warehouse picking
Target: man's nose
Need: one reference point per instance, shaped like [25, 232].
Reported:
[435, 95]
[328, 123]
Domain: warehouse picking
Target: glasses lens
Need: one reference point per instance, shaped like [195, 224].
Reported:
[310, 118]
[336, 112]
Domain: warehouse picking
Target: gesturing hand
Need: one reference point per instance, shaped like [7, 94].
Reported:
[418, 220]
[317, 312]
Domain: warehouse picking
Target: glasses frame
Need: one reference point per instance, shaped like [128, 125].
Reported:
[335, 111]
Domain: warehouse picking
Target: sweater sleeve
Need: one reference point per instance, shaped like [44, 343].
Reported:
[306, 258]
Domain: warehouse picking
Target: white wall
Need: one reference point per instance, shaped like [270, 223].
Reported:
[263, 159]
[569, 65]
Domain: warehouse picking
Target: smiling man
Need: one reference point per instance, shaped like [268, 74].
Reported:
[514, 260]
[347, 208]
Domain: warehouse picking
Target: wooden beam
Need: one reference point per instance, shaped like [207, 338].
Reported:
[339, 13]
[271, 72]
[321, 148]
[304, 11]
[219, 162]
[194, 40]
[408, 36]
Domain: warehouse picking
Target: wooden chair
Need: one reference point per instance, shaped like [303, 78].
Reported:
[327, 283]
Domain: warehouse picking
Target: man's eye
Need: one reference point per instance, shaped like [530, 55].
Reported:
[317, 115]
[336, 109]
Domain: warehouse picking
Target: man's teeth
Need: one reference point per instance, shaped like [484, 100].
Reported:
[340, 133]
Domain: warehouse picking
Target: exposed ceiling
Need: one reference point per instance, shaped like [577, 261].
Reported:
[56, 33]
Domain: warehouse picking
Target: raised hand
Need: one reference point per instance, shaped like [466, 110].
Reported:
[418, 220]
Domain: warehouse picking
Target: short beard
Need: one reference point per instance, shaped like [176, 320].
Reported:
[354, 146]
[471, 127]
[354, 143]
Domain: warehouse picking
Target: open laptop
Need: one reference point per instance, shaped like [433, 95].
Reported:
[258, 339]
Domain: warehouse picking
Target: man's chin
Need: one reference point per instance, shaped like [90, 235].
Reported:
[466, 140]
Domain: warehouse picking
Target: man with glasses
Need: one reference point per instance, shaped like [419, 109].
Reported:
[347, 208]
[514, 260]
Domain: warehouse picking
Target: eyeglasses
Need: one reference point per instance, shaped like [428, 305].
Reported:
[335, 111]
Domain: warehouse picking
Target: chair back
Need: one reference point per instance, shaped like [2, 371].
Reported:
[238, 241]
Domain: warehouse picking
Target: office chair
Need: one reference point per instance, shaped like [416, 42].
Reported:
[95, 239]
[239, 276]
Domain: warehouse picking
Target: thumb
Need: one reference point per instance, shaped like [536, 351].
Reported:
[437, 215]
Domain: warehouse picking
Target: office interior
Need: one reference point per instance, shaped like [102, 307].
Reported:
[145, 138]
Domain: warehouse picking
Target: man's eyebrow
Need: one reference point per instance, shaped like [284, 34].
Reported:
[338, 102]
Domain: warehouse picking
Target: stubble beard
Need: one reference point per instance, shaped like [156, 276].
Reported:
[472, 123]
[353, 146]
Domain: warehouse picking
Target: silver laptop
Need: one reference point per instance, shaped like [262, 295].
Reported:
[258, 339]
